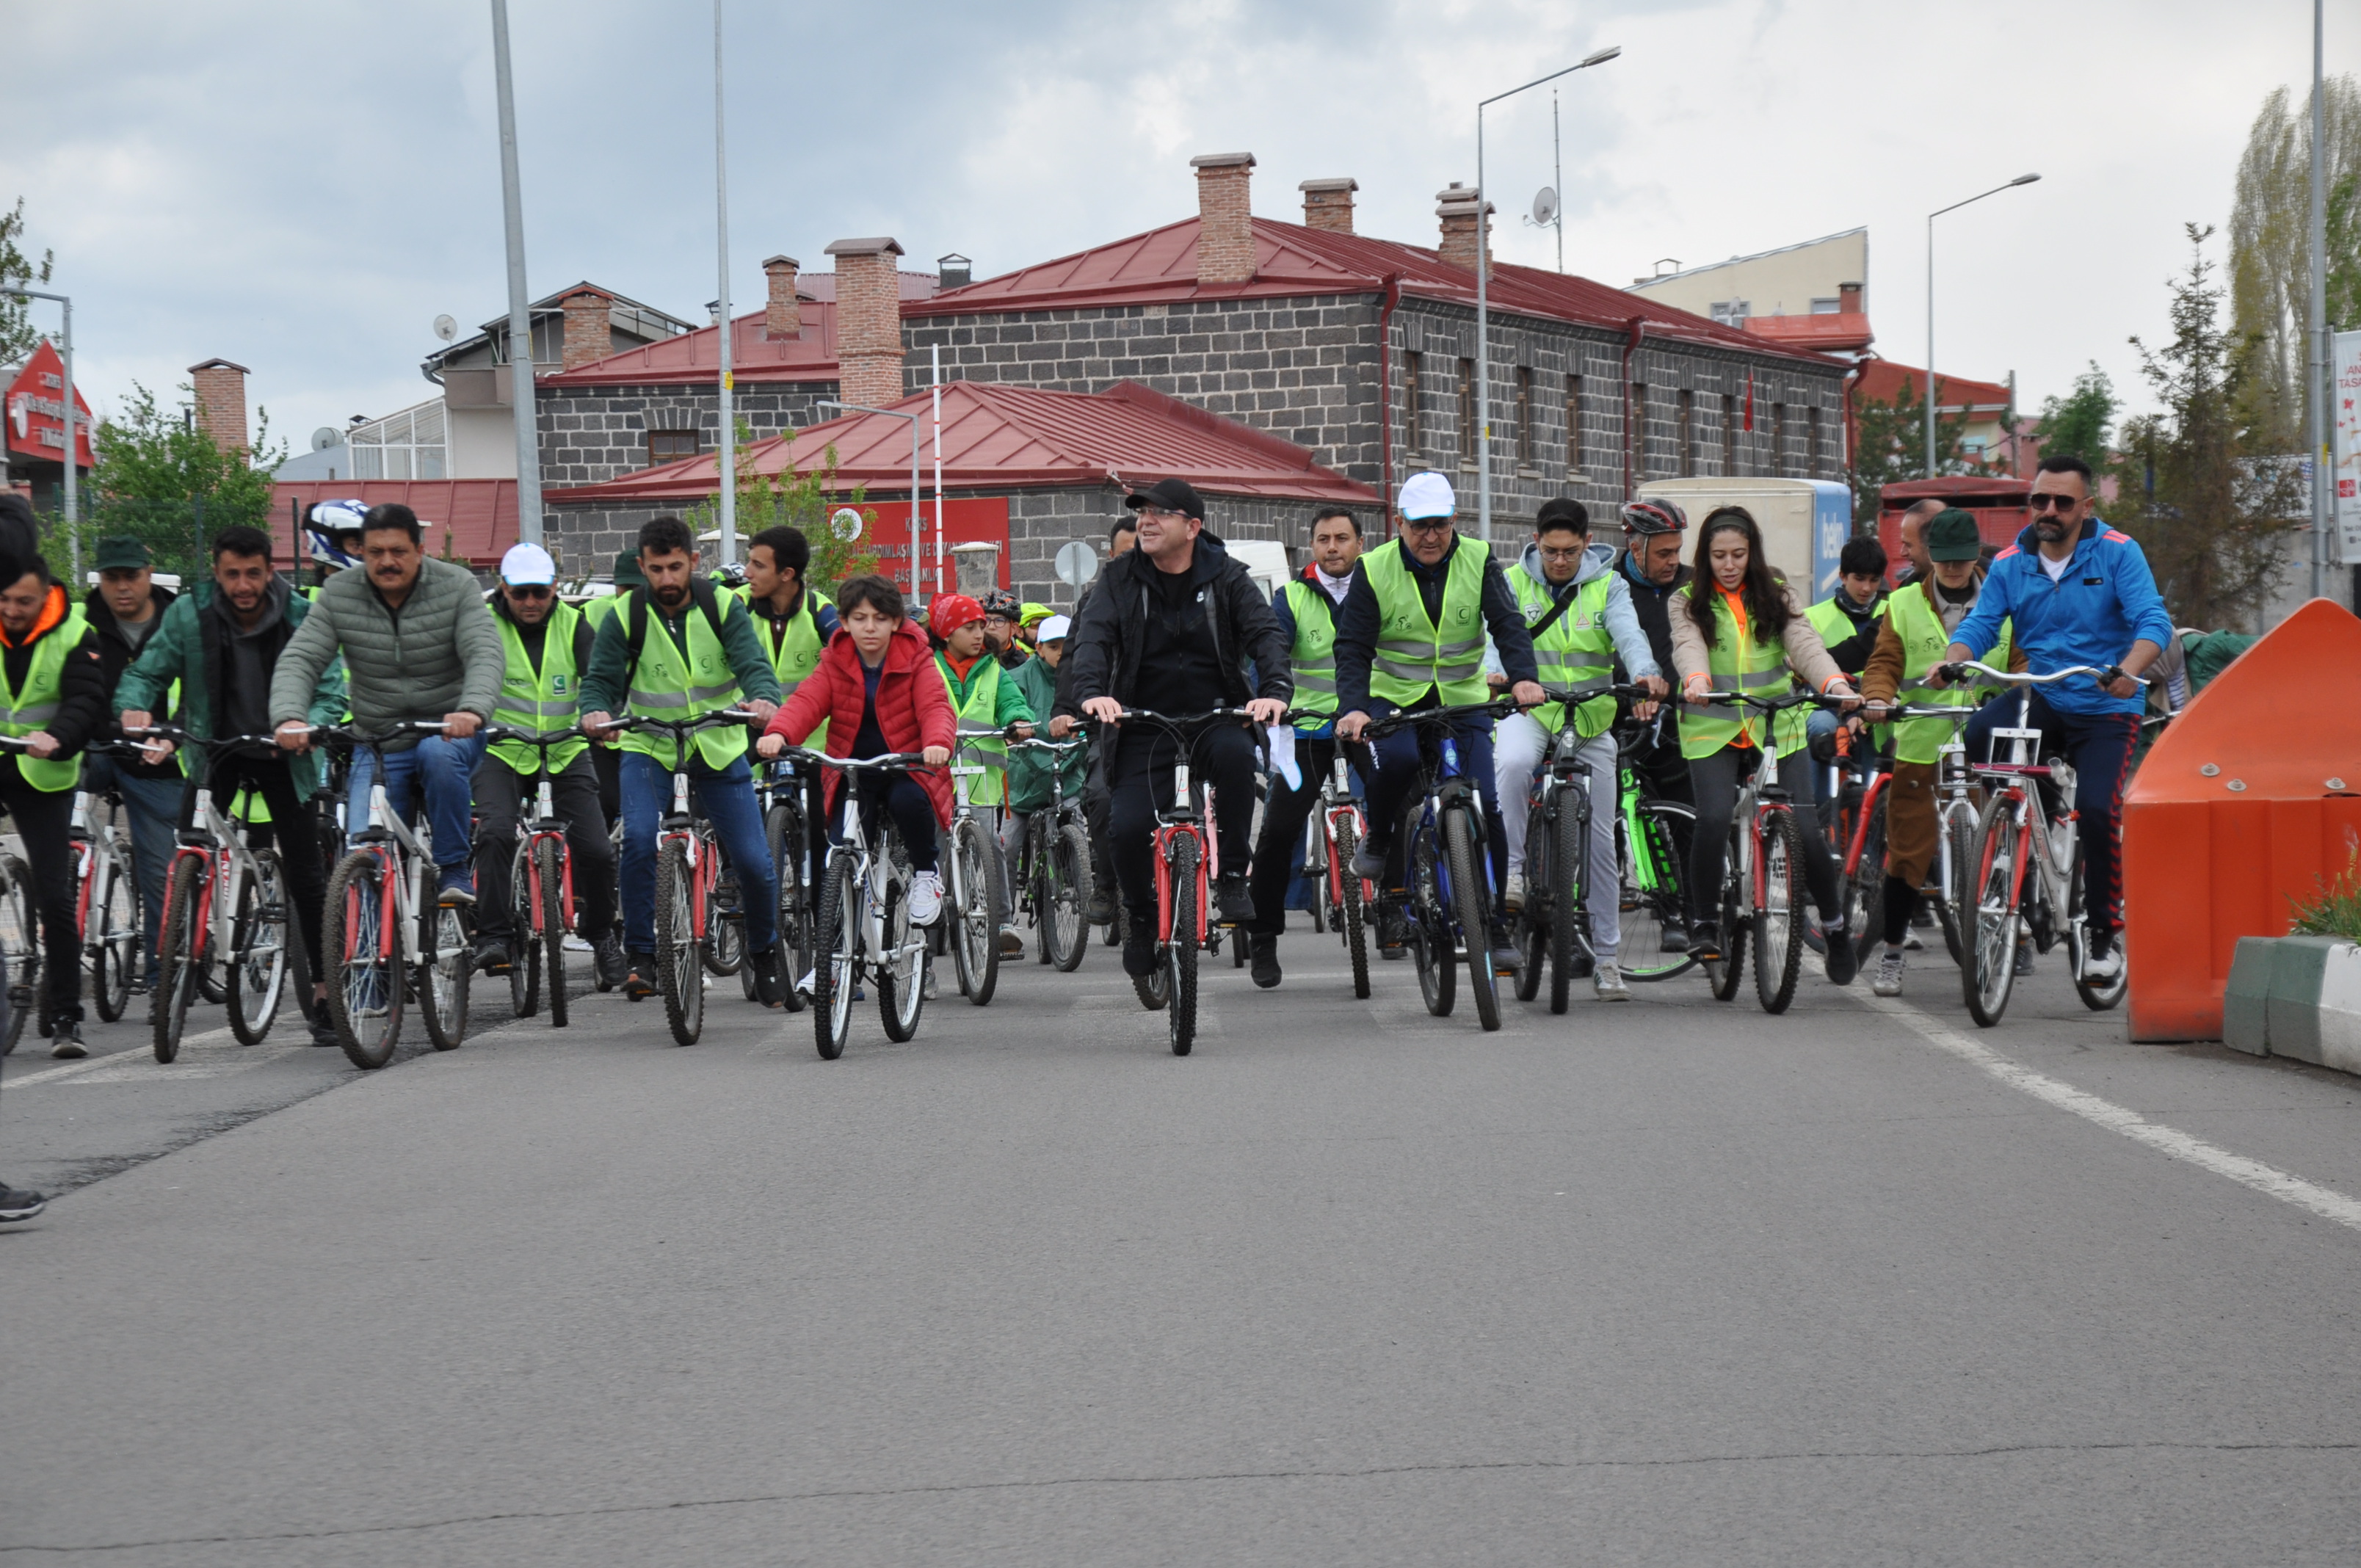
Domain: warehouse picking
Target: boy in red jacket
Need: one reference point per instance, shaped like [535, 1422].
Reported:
[877, 689]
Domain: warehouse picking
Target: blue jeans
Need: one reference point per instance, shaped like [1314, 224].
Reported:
[727, 798]
[1396, 780]
[154, 809]
[448, 768]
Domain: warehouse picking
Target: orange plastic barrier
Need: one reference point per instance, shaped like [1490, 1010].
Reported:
[2252, 798]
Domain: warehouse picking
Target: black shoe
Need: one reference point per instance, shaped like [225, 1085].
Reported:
[1814, 941]
[1506, 959]
[1705, 942]
[606, 962]
[67, 1033]
[1392, 940]
[492, 954]
[1101, 909]
[1139, 950]
[323, 1032]
[1235, 900]
[770, 985]
[1262, 956]
[639, 984]
[18, 1203]
[1843, 959]
[1673, 940]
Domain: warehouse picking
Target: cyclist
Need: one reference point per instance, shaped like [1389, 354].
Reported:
[985, 694]
[605, 755]
[1001, 615]
[125, 610]
[1306, 609]
[1030, 617]
[1410, 635]
[1578, 613]
[1848, 621]
[221, 644]
[793, 621]
[1171, 627]
[874, 693]
[1123, 537]
[1920, 620]
[675, 648]
[1653, 532]
[332, 531]
[1029, 774]
[2074, 591]
[1736, 625]
[547, 644]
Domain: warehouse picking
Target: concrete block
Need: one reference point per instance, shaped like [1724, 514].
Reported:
[2337, 1021]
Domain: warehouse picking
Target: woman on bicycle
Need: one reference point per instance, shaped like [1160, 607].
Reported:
[1739, 627]
[877, 690]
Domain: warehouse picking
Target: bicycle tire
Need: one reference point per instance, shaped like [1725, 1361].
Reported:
[976, 931]
[1989, 972]
[1321, 877]
[1069, 895]
[901, 997]
[552, 946]
[782, 830]
[1355, 914]
[1438, 975]
[724, 948]
[1652, 902]
[1461, 848]
[366, 997]
[524, 935]
[1725, 974]
[1531, 925]
[1865, 902]
[21, 939]
[680, 967]
[115, 945]
[1180, 952]
[447, 974]
[176, 979]
[2097, 998]
[1951, 902]
[1778, 926]
[1569, 851]
[253, 995]
[836, 938]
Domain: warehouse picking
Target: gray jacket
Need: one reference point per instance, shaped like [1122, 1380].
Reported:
[441, 654]
[1622, 620]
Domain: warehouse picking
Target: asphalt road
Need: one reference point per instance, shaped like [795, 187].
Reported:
[1664, 1283]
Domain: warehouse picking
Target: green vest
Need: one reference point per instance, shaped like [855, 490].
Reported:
[539, 700]
[34, 705]
[1412, 653]
[1575, 651]
[1834, 627]
[599, 609]
[677, 683]
[796, 655]
[1924, 642]
[1313, 657]
[979, 726]
[1736, 662]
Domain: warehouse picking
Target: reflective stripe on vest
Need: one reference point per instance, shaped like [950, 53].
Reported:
[538, 701]
[34, 705]
[1413, 653]
[1924, 642]
[1575, 651]
[1313, 657]
[1737, 663]
[981, 740]
[670, 683]
[1828, 619]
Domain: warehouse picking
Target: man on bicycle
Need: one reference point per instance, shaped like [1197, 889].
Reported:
[794, 622]
[1123, 538]
[1409, 635]
[1306, 609]
[222, 643]
[1578, 613]
[986, 695]
[547, 642]
[1171, 627]
[1653, 572]
[125, 610]
[675, 648]
[2074, 591]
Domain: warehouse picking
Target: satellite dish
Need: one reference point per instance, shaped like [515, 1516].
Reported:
[445, 328]
[1545, 207]
[1077, 564]
[845, 523]
[327, 436]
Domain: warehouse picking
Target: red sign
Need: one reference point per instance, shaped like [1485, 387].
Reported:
[885, 530]
[36, 411]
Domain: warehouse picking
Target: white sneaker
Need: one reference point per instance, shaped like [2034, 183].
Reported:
[1888, 981]
[926, 898]
[1512, 893]
[2102, 968]
[1606, 980]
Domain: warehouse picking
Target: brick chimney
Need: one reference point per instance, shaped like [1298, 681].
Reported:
[589, 335]
[1457, 208]
[868, 321]
[1849, 298]
[1328, 204]
[1226, 249]
[221, 402]
[783, 316]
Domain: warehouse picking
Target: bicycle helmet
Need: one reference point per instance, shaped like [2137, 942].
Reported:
[1654, 516]
[329, 526]
[1000, 602]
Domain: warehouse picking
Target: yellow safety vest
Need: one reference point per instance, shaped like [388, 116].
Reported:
[1313, 657]
[1737, 663]
[1924, 643]
[1575, 651]
[675, 683]
[539, 700]
[979, 729]
[1414, 653]
[34, 705]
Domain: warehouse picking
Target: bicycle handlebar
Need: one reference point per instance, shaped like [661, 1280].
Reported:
[1437, 717]
[892, 761]
[178, 735]
[678, 727]
[2107, 677]
[1211, 715]
[1769, 703]
[1041, 745]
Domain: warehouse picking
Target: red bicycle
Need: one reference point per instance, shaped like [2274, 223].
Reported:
[1187, 860]
[540, 888]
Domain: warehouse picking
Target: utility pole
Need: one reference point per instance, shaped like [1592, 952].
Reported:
[2316, 347]
[722, 262]
[528, 436]
[2020, 179]
[1557, 175]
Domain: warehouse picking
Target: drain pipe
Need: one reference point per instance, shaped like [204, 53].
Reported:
[1391, 301]
[1635, 326]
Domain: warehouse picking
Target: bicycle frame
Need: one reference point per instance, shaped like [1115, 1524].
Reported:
[1183, 817]
[868, 879]
[1339, 809]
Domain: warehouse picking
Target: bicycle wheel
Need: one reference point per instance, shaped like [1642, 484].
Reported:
[1430, 939]
[975, 933]
[1066, 899]
[1352, 914]
[1778, 934]
[835, 932]
[21, 939]
[1725, 974]
[258, 950]
[1991, 918]
[178, 955]
[114, 936]
[1569, 847]
[1864, 891]
[1325, 914]
[551, 946]
[724, 948]
[1463, 848]
[2098, 998]
[365, 993]
[1531, 925]
[783, 829]
[680, 970]
[1180, 952]
[1953, 900]
[445, 974]
[524, 936]
[901, 968]
[1650, 883]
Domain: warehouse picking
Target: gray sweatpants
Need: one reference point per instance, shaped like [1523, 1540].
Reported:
[1518, 743]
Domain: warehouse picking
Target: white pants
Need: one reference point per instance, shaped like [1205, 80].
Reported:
[1519, 744]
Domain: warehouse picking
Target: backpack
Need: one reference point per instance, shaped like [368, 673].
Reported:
[635, 613]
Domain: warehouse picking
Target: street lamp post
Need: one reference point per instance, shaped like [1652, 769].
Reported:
[2020, 179]
[721, 263]
[1484, 299]
[521, 395]
[73, 433]
[916, 589]
[2318, 349]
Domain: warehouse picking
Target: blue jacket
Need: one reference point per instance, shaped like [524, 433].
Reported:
[2105, 601]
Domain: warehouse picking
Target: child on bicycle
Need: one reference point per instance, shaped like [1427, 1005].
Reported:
[876, 688]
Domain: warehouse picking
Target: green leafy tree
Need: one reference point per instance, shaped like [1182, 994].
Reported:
[161, 478]
[2079, 423]
[17, 338]
[2270, 248]
[1889, 445]
[804, 502]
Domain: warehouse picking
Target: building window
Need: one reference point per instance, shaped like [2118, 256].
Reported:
[1413, 428]
[1525, 416]
[1636, 437]
[1572, 429]
[671, 446]
[1812, 442]
[1730, 432]
[1826, 307]
[1468, 432]
[1778, 441]
[1688, 434]
[1732, 312]
[405, 446]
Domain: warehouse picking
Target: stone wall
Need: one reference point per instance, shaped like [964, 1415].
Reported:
[593, 434]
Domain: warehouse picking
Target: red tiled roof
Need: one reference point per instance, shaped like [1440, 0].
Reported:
[1881, 380]
[478, 516]
[1007, 437]
[694, 356]
[1160, 266]
[1834, 333]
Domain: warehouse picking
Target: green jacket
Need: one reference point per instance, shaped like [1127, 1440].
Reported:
[441, 654]
[1028, 771]
[180, 650]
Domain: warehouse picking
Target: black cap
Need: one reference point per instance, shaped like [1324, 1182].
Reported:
[1168, 495]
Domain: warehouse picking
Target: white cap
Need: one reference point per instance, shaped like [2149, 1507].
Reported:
[527, 565]
[1056, 626]
[1427, 495]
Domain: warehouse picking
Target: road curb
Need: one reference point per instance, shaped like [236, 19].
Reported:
[2298, 997]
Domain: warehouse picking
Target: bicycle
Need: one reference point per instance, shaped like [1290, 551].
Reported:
[862, 923]
[1555, 923]
[1447, 898]
[382, 933]
[1054, 865]
[974, 876]
[105, 886]
[540, 887]
[780, 787]
[20, 936]
[1862, 847]
[1341, 901]
[1651, 869]
[2017, 830]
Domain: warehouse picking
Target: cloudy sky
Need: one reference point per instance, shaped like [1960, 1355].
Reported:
[303, 187]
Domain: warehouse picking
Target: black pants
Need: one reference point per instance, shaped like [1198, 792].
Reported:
[903, 799]
[292, 828]
[1140, 780]
[1665, 774]
[1279, 849]
[500, 796]
[44, 819]
[1716, 780]
[1098, 802]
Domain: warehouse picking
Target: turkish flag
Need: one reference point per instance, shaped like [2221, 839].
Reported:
[1750, 400]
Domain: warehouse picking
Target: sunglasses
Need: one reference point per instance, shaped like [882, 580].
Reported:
[528, 590]
[1426, 525]
[2046, 503]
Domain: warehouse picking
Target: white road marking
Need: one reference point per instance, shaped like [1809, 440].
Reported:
[117, 1059]
[2313, 1199]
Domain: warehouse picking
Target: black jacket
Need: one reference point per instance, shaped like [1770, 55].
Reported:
[1105, 648]
[1652, 605]
[1358, 621]
[114, 655]
[81, 688]
[1852, 653]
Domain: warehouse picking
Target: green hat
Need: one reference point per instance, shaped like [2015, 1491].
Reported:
[1952, 535]
[121, 552]
[626, 572]
[1031, 614]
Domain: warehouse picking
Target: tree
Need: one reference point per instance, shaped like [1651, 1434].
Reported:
[2270, 247]
[1890, 445]
[17, 338]
[2207, 493]
[2078, 424]
[161, 478]
[804, 502]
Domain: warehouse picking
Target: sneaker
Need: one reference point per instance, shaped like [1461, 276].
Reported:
[492, 956]
[1262, 959]
[1607, 981]
[1506, 959]
[1393, 942]
[770, 984]
[1911, 943]
[2103, 966]
[926, 897]
[1705, 942]
[1674, 939]
[607, 965]
[67, 1032]
[1369, 864]
[1102, 908]
[1235, 900]
[1139, 950]
[1888, 979]
[1512, 893]
[639, 984]
[2024, 959]
[458, 886]
[1012, 943]
[17, 1203]
[1842, 962]
[325, 1033]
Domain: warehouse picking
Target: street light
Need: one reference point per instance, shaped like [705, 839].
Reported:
[916, 589]
[521, 393]
[2020, 179]
[1483, 298]
[722, 265]
[73, 445]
